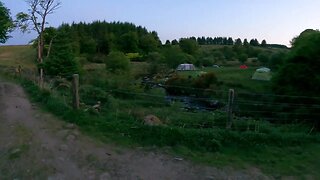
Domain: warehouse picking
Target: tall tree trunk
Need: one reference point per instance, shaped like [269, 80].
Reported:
[49, 49]
[40, 60]
[39, 52]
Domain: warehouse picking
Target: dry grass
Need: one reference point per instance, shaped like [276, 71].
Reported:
[13, 56]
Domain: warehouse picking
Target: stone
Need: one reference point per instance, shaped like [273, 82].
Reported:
[178, 159]
[63, 147]
[105, 176]
[70, 126]
[71, 137]
[76, 133]
[91, 175]
[61, 159]
[152, 120]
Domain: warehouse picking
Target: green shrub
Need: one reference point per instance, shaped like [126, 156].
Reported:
[179, 86]
[207, 62]
[117, 62]
[205, 80]
[134, 57]
[188, 46]
[64, 67]
[243, 58]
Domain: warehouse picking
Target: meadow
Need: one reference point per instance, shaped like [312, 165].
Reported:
[235, 78]
[13, 56]
[279, 150]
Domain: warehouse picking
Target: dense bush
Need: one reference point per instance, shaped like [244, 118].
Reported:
[179, 85]
[188, 46]
[59, 66]
[300, 73]
[173, 56]
[205, 80]
[5, 23]
[207, 62]
[61, 61]
[117, 62]
[243, 58]
[276, 60]
[299, 76]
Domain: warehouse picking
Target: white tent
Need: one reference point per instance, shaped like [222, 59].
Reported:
[263, 70]
[262, 74]
[186, 67]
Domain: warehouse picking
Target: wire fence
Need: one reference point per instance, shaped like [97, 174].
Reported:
[246, 108]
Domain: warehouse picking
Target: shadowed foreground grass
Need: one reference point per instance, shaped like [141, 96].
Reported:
[275, 153]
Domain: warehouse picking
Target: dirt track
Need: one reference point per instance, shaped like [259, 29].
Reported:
[36, 145]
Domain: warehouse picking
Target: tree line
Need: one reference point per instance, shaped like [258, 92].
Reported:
[228, 41]
[70, 45]
[94, 41]
[101, 37]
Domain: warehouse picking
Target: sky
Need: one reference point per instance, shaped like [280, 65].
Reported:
[276, 21]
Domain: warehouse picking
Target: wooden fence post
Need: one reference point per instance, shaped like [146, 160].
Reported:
[75, 91]
[41, 80]
[34, 76]
[230, 106]
[19, 70]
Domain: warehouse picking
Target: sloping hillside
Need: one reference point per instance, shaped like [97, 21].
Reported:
[13, 56]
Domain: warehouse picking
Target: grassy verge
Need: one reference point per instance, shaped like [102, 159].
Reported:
[294, 161]
[275, 152]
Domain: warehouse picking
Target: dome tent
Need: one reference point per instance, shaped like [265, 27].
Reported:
[262, 74]
[263, 70]
[186, 67]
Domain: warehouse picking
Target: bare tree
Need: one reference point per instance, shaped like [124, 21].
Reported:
[36, 19]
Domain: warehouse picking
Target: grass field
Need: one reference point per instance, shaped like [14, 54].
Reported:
[193, 136]
[13, 56]
[235, 78]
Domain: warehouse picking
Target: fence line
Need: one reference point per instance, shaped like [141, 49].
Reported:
[239, 93]
[250, 102]
[243, 103]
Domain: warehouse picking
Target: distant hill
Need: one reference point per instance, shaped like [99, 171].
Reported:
[280, 46]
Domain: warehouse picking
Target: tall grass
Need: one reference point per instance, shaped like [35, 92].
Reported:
[117, 122]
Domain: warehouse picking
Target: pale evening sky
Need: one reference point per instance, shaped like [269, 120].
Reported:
[277, 21]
